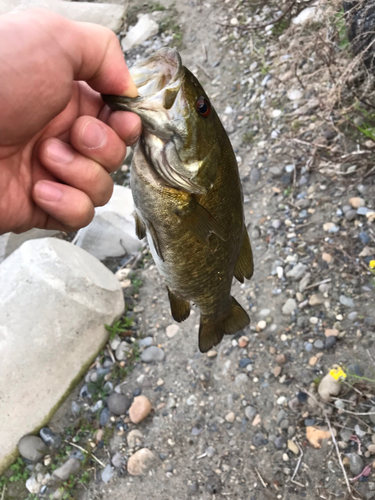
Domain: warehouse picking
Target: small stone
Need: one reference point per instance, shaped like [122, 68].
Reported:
[281, 400]
[244, 362]
[359, 432]
[134, 438]
[32, 485]
[104, 417]
[261, 325]
[145, 28]
[71, 466]
[107, 474]
[357, 202]
[230, 417]
[254, 175]
[250, 412]
[279, 443]
[346, 301]
[282, 414]
[257, 420]
[356, 464]
[327, 257]
[276, 224]
[330, 342]
[32, 448]
[277, 371]
[117, 460]
[212, 353]
[122, 351]
[308, 346]
[293, 447]
[350, 215]
[243, 341]
[364, 237]
[172, 330]
[213, 485]
[328, 387]
[316, 299]
[371, 449]
[297, 272]
[294, 95]
[145, 342]
[346, 434]
[319, 344]
[331, 332]
[281, 359]
[304, 282]
[258, 440]
[313, 360]
[289, 307]
[141, 462]
[50, 438]
[152, 354]
[140, 409]
[210, 451]
[118, 404]
[330, 227]
[363, 211]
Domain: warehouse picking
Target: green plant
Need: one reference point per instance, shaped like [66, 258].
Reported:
[121, 325]
[136, 283]
[280, 27]
[341, 28]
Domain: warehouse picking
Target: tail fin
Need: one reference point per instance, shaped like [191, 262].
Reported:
[211, 331]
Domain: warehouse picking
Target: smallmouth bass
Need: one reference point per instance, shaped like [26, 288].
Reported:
[188, 196]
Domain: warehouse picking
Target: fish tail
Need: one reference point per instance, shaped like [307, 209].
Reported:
[212, 330]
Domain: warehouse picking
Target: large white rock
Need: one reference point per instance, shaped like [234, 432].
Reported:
[54, 301]
[110, 15]
[11, 241]
[112, 231]
[145, 28]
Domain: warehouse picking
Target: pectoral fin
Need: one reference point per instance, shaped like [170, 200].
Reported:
[200, 222]
[140, 228]
[155, 239]
[180, 308]
[244, 267]
[212, 330]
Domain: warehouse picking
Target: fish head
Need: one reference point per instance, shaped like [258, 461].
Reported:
[181, 130]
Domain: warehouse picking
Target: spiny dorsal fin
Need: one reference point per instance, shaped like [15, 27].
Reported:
[200, 222]
[212, 330]
[180, 308]
[140, 228]
[245, 266]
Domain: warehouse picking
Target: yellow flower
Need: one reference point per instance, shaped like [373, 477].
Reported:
[337, 373]
[372, 264]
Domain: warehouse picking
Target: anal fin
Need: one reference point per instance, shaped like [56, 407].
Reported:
[212, 330]
[200, 222]
[245, 266]
[180, 308]
[140, 228]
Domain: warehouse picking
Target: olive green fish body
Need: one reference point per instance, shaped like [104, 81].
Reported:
[188, 196]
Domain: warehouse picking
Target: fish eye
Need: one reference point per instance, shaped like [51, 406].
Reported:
[203, 106]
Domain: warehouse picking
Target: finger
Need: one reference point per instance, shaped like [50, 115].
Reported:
[69, 206]
[76, 170]
[127, 125]
[98, 59]
[96, 140]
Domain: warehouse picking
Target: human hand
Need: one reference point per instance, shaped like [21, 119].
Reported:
[58, 141]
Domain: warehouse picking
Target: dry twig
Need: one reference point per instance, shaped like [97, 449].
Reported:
[87, 452]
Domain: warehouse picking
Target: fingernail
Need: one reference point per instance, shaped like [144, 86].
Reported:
[48, 191]
[93, 136]
[59, 151]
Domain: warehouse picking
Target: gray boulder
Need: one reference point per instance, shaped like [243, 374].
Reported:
[55, 299]
[11, 241]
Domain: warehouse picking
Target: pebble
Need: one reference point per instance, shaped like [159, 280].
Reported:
[346, 434]
[242, 379]
[118, 404]
[289, 307]
[350, 215]
[210, 451]
[346, 301]
[140, 409]
[141, 462]
[313, 360]
[308, 346]
[250, 412]
[134, 438]
[152, 354]
[261, 325]
[213, 485]
[277, 371]
[363, 211]
[276, 224]
[254, 175]
[319, 344]
[71, 466]
[172, 330]
[117, 460]
[294, 95]
[258, 440]
[32, 485]
[293, 447]
[244, 362]
[357, 202]
[281, 400]
[50, 438]
[330, 342]
[372, 417]
[107, 474]
[279, 443]
[364, 237]
[331, 332]
[356, 464]
[282, 414]
[281, 359]
[243, 341]
[122, 351]
[230, 417]
[32, 448]
[104, 417]
[316, 299]
[145, 342]
[328, 387]
[327, 257]
[371, 449]
[297, 272]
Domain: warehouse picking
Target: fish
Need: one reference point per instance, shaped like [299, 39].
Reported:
[188, 196]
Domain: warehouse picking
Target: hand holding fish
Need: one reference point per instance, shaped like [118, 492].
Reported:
[58, 143]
